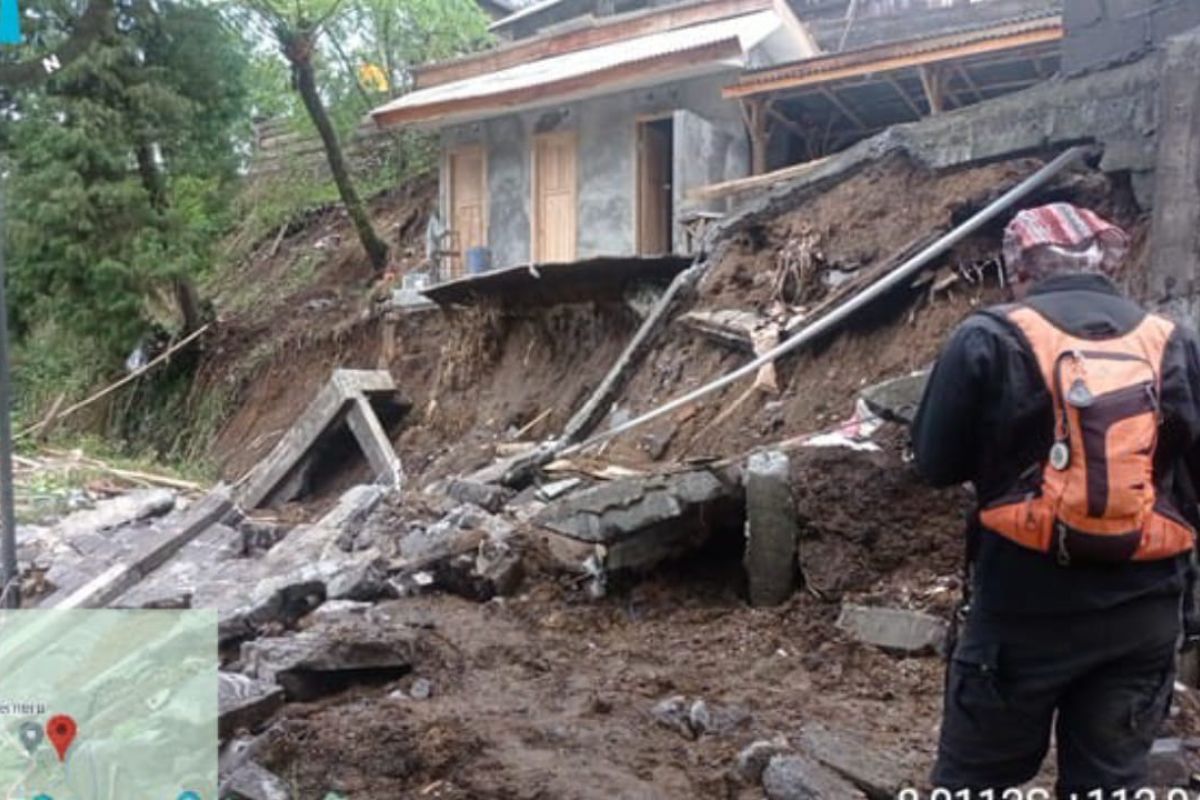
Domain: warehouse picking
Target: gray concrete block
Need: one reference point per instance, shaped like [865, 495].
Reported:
[894, 629]
[795, 777]
[252, 781]
[343, 398]
[879, 774]
[1175, 244]
[610, 512]
[772, 529]
[244, 703]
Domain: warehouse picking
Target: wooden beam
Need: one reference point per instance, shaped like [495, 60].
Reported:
[859, 64]
[908, 101]
[717, 191]
[965, 74]
[615, 30]
[755, 111]
[787, 122]
[931, 82]
[828, 94]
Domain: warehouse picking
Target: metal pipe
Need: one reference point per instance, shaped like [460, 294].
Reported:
[10, 591]
[882, 286]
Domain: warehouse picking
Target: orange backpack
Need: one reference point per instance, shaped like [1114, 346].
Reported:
[1096, 500]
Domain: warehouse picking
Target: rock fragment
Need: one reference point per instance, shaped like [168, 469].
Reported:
[795, 777]
[893, 629]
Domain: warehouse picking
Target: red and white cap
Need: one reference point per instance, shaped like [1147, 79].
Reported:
[1061, 238]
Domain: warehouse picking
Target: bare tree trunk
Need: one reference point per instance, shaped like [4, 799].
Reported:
[298, 48]
[186, 296]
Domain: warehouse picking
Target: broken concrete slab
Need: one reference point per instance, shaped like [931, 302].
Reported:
[146, 555]
[489, 497]
[252, 781]
[245, 703]
[753, 758]
[893, 629]
[346, 398]
[1170, 764]
[897, 400]
[730, 327]
[611, 512]
[332, 656]
[795, 777]
[188, 573]
[866, 767]
[772, 529]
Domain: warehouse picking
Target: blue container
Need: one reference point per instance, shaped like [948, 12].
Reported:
[479, 260]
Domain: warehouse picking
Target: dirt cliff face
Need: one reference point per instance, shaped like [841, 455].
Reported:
[552, 693]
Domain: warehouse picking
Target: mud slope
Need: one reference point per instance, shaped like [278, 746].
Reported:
[853, 225]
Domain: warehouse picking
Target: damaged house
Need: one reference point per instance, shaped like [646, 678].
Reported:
[579, 139]
[602, 130]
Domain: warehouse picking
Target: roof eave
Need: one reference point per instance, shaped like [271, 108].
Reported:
[896, 56]
[608, 79]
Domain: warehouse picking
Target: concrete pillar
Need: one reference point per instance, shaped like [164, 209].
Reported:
[1175, 250]
[772, 529]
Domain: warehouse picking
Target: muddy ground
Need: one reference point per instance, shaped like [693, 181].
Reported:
[549, 693]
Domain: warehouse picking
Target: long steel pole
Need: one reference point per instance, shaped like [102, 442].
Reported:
[9, 587]
[881, 287]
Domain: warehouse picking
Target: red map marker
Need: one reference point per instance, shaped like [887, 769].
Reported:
[61, 731]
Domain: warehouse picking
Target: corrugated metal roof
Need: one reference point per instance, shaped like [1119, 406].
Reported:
[520, 14]
[744, 32]
[909, 47]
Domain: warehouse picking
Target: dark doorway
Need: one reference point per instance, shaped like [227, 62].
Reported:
[656, 206]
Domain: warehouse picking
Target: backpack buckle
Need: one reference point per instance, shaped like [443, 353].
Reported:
[1060, 455]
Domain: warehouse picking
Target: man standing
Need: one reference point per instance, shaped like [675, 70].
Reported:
[1076, 415]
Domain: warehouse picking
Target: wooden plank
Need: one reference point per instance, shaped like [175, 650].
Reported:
[931, 82]
[616, 30]
[717, 191]
[759, 84]
[498, 101]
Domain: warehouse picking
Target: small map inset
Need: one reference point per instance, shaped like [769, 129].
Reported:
[108, 705]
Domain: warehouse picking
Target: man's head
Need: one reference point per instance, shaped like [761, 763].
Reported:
[1059, 239]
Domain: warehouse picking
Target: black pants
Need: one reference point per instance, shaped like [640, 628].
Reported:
[1109, 676]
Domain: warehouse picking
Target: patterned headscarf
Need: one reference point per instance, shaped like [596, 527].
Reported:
[1061, 238]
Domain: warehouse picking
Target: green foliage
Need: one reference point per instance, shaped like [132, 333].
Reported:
[120, 167]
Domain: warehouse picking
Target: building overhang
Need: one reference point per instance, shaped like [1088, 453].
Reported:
[654, 58]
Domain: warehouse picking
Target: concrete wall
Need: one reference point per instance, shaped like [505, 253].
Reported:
[710, 142]
[1101, 33]
[916, 21]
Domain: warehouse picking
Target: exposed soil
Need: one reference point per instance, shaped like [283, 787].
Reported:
[548, 694]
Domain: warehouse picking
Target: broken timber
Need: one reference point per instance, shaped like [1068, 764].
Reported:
[831, 321]
[345, 398]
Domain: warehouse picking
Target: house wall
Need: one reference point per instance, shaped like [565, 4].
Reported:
[710, 146]
[1101, 33]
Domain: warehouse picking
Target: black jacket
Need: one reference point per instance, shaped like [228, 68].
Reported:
[986, 418]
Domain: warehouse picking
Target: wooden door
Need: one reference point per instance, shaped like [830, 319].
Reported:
[654, 188]
[468, 201]
[554, 197]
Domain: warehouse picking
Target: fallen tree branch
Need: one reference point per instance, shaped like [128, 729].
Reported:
[137, 373]
[130, 474]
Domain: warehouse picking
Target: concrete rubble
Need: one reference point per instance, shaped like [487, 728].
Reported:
[796, 777]
[893, 629]
[349, 399]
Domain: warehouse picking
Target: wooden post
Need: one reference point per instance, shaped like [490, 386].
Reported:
[931, 80]
[754, 110]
